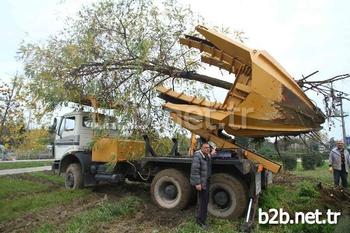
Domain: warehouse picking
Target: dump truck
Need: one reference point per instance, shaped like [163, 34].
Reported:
[277, 106]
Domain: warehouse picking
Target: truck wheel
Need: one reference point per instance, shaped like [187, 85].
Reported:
[171, 189]
[73, 178]
[227, 196]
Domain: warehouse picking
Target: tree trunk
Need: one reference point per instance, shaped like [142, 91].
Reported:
[206, 79]
[190, 75]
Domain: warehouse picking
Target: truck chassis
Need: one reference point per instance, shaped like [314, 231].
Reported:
[234, 180]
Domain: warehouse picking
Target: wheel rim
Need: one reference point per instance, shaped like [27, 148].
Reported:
[222, 200]
[170, 191]
[167, 192]
[70, 180]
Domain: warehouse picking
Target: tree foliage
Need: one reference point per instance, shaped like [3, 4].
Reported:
[289, 162]
[35, 140]
[12, 124]
[116, 51]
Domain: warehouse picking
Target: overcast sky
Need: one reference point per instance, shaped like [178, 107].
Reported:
[303, 36]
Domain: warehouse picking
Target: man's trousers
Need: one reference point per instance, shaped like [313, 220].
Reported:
[340, 174]
[202, 205]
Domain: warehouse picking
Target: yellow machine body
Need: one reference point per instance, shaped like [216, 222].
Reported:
[114, 150]
[264, 99]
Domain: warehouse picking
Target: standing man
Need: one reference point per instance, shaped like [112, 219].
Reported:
[200, 174]
[339, 163]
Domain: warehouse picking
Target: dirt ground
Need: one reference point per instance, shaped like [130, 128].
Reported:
[148, 218]
[331, 197]
[55, 215]
[336, 197]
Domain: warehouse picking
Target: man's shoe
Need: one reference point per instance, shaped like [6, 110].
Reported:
[203, 226]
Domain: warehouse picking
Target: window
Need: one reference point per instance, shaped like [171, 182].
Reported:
[103, 123]
[69, 123]
[87, 122]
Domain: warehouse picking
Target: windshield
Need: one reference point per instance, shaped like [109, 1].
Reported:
[104, 122]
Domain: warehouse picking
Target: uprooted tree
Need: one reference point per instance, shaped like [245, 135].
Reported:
[118, 51]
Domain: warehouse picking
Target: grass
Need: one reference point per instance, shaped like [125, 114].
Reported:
[296, 228]
[42, 191]
[14, 165]
[103, 213]
[302, 198]
[320, 173]
[46, 228]
[18, 195]
[12, 208]
[215, 225]
[12, 187]
[47, 176]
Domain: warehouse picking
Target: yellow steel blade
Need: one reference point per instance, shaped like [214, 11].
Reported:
[223, 144]
[211, 115]
[168, 93]
[229, 46]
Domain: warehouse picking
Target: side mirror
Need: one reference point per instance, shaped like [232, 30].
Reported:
[52, 128]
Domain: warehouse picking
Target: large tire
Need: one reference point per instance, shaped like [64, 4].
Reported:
[171, 189]
[228, 196]
[73, 178]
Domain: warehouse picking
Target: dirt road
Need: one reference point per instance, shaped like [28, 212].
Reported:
[25, 160]
[24, 170]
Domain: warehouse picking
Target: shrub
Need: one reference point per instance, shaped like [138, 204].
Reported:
[325, 154]
[289, 162]
[306, 193]
[318, 159]
[308, 161]
[274, 157]
[271, 197]
[305, 198]
[306, 189]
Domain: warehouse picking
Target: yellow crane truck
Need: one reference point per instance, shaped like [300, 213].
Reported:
[277, 106]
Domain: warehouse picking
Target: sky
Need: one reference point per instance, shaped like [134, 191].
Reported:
[302, 35]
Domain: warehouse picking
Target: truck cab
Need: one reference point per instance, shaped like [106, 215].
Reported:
[74, 133]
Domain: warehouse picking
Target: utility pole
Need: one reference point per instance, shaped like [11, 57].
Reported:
[332, 97]
[342, 116]
[343, 121]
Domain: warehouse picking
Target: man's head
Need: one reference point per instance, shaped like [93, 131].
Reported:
[205, 148]
[340, 144]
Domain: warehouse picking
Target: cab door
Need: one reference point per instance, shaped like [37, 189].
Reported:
[86, 131]
[66, 138]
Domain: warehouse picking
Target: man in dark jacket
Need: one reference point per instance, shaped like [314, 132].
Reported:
[200, 174]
